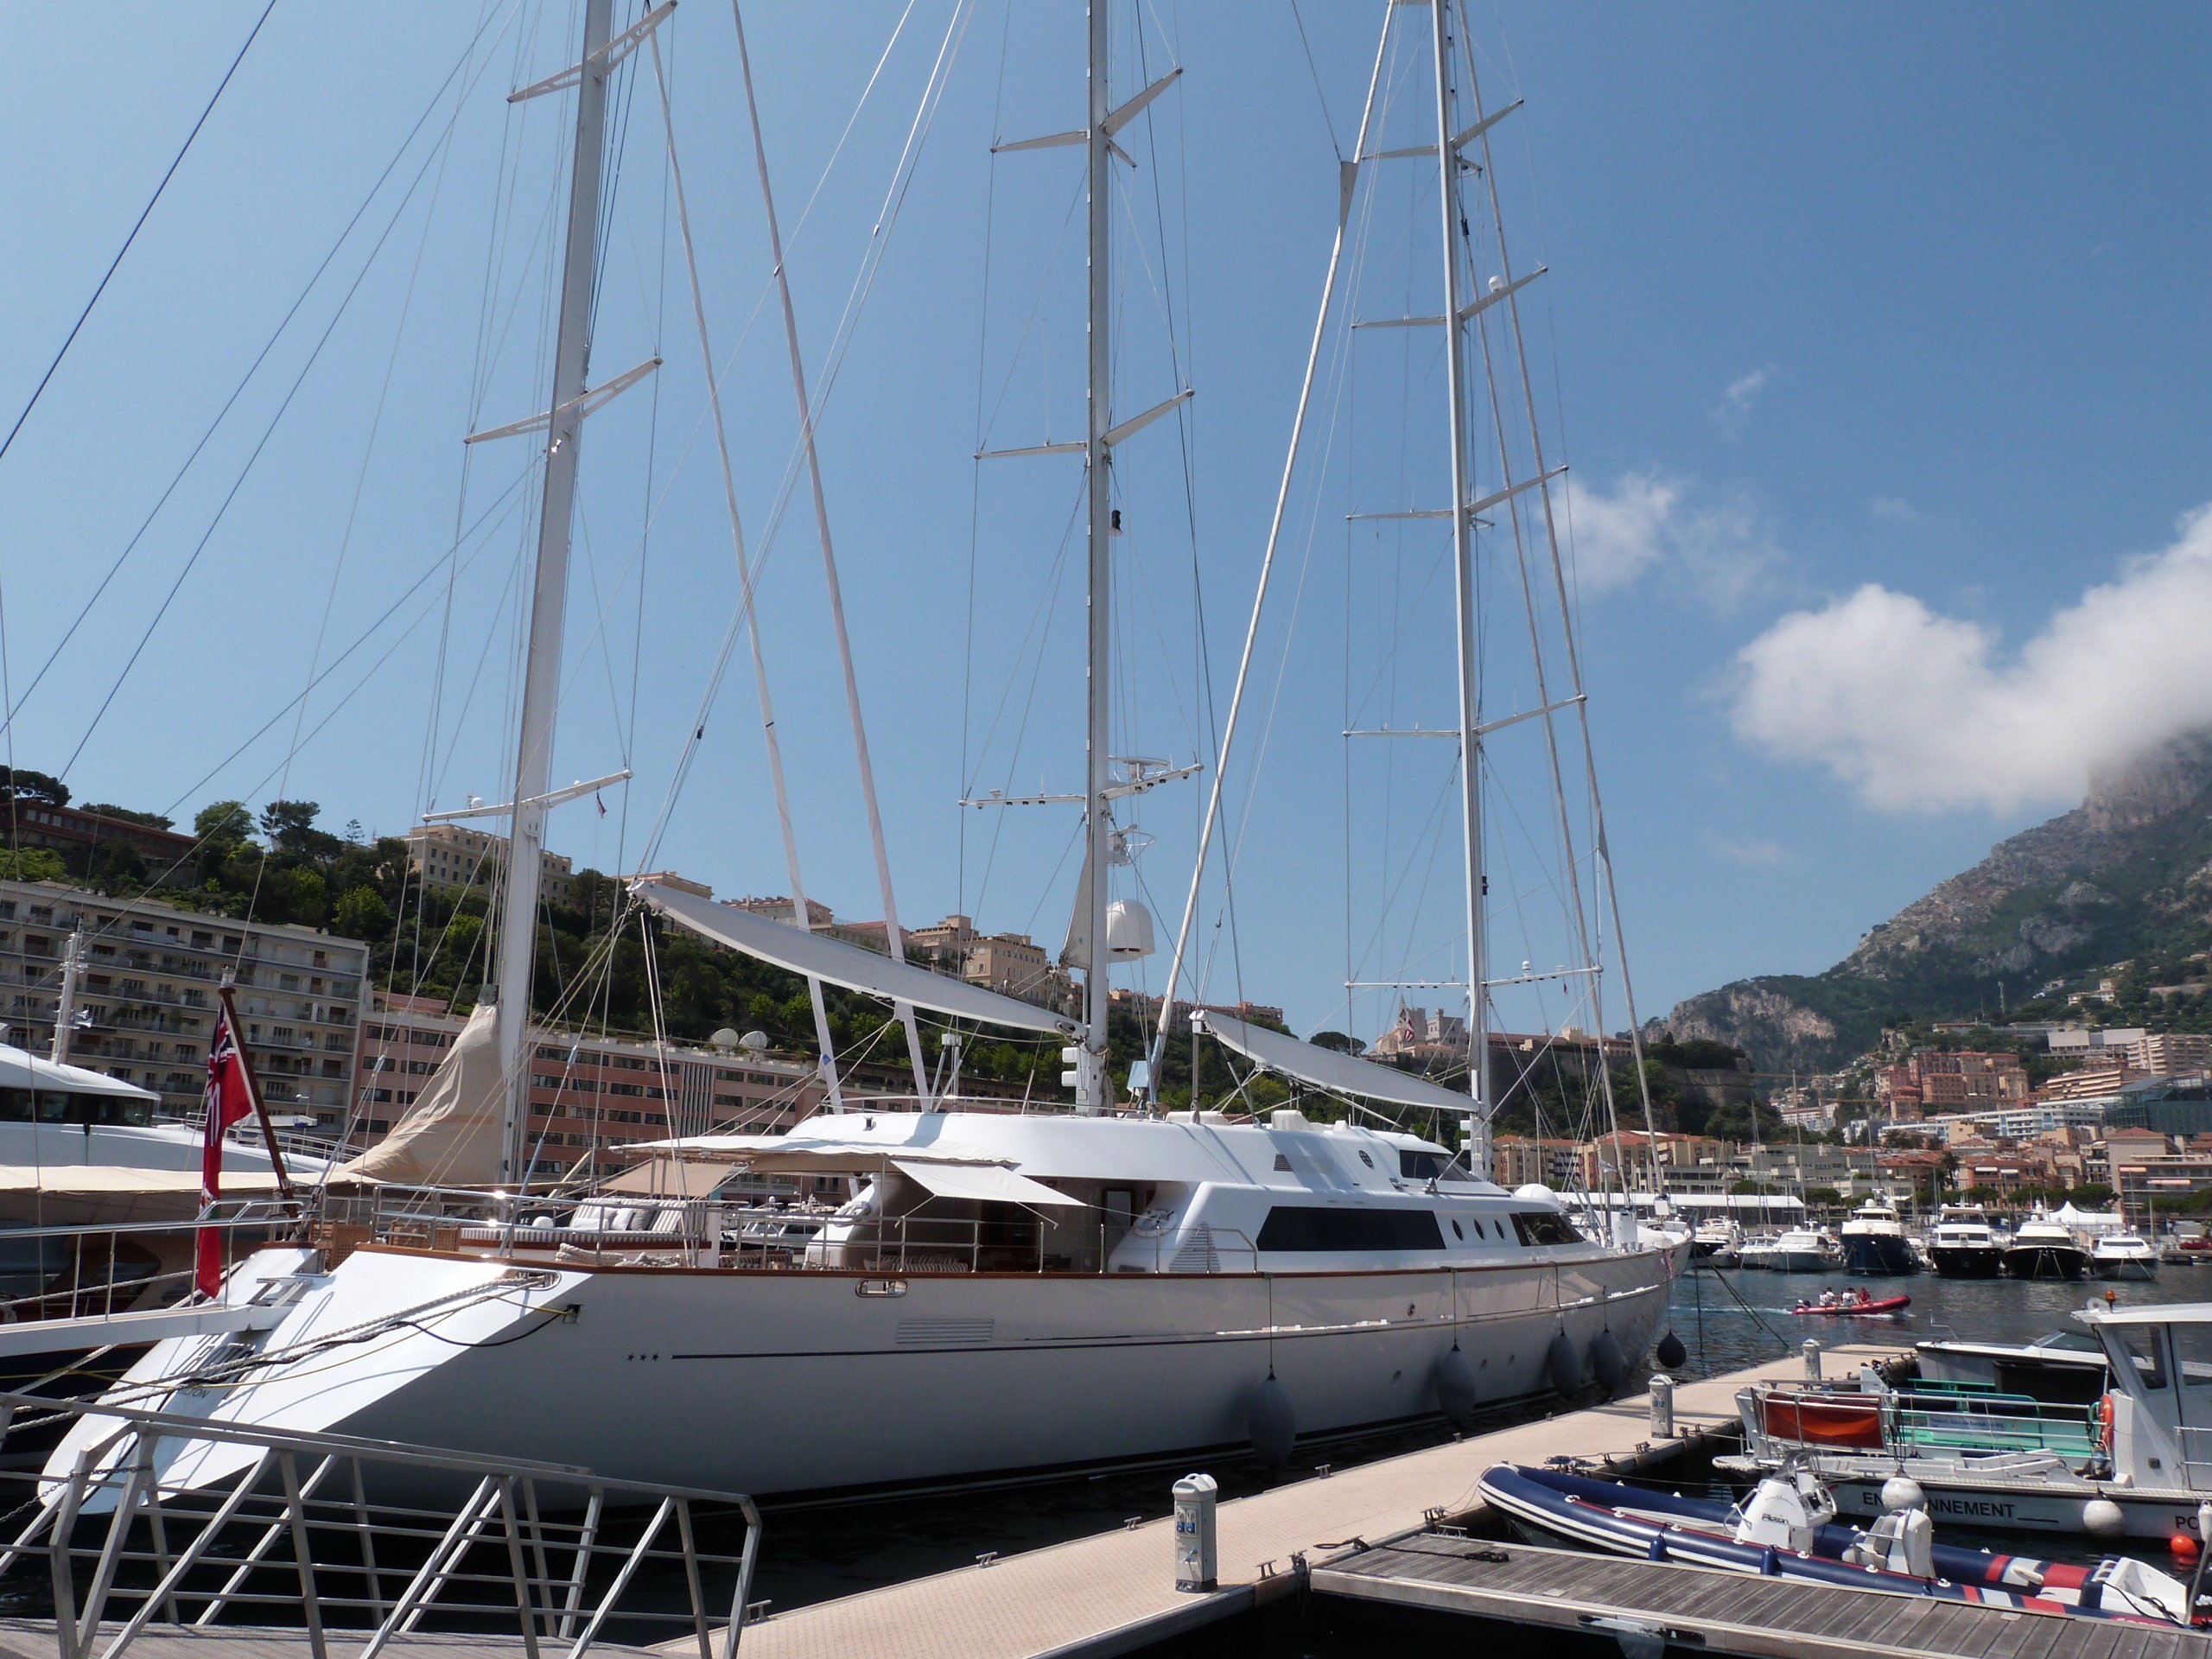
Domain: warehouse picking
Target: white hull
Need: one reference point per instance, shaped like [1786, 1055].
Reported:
[783, 1383]
[2025, 1506]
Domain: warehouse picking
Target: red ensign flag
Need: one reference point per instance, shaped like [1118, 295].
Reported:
[229, 1098]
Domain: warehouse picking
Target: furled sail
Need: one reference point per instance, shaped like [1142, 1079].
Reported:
[1325, 1068]
[852, 966]
[451, 1136]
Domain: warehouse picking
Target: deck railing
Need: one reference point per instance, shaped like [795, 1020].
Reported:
[337, 1533]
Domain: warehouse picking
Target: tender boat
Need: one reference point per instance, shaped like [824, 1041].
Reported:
[1964, 1245]
[2044, 1248]
[2132, 1463]
[2125, 1254]
[1786, 1529]
[1874, 1304]
[1874, 1242]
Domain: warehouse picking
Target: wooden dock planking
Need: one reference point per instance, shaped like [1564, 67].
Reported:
[1115, 1592]
[1733, 1614]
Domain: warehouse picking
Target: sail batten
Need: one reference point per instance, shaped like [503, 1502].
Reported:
[852, 966]
[1330, 1069]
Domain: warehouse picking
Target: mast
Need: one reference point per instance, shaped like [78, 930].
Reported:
[64, 1009]
[518, 938]
[1091, 1061]
[1463, 577]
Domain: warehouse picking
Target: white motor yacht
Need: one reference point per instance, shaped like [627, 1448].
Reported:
[1802, 1249]
[1964, 1245]
[2123, 1255]
[2044, 1248]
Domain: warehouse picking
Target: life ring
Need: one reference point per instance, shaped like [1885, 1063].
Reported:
[2104, 1423]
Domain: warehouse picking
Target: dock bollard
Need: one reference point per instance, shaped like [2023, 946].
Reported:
[1195, 1568]
[1662, 1406]
[1812, 1360]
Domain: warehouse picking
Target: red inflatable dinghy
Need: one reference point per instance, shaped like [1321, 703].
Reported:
[1886, 1305]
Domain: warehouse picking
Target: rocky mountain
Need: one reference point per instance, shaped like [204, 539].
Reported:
[2125, 875]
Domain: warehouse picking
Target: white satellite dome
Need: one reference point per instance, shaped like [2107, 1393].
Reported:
[1536, 1190]
[1129, 931]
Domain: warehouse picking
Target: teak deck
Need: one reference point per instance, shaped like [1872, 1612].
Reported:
[1728, 1613]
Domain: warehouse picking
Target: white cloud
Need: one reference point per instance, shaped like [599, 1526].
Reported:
[1743, 391]
[1718, 551]
[1894, 508]
[1920, 712]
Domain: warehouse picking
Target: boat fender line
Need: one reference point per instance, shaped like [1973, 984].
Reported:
[1457, 1389]
[1271, 1422]
[1563, 1365]
[1607, 1360]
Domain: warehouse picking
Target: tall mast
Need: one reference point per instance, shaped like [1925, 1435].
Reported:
[1463, 577]
[548, 600]
[1090, 1065]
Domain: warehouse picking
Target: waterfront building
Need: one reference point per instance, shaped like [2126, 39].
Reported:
[145, 1000]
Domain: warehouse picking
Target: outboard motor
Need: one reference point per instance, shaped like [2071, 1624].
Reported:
[1785, 1511]
[1903, 1540]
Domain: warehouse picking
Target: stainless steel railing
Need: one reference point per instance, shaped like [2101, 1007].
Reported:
[551, 1553]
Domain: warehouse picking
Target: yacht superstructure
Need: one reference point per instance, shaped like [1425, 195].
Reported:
[1964, 1245]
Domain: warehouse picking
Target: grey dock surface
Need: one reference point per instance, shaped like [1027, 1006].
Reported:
[1730, 1613]
[33, 1638]
[1114, 1593]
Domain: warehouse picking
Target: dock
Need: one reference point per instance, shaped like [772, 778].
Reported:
[1721, 1613]
[1114, 1593]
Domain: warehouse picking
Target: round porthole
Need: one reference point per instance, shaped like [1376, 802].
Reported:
[1364, 1159]
[1456, 1230]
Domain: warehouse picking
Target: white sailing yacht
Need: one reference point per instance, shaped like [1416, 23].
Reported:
[1006, 1291]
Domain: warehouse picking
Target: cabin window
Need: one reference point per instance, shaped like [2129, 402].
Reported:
[1318, 1227]
[1421, 1166]
[2140, 1344]
[1456, 1232]
[1544, 1227]
[2192, 1354]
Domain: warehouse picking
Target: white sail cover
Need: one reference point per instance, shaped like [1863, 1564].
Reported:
[852, 966]
[1325, 1068]
[451, 1135]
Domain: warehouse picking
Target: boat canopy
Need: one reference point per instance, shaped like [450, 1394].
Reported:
[21, 1068]
[789, 1154]
[1326, 1068]
[852, 966]
[989, 1183]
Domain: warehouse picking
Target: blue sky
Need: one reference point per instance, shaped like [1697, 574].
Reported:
[1875, 337]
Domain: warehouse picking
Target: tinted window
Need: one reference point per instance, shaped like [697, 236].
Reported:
[1420, 1166]
[2140, 1344]
[1544, 1227]
[1317, 1227]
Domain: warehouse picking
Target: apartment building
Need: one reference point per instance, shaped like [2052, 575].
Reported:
[589, 1096]
[2170, 1053]
[146, 995]
[453, 858]
[1939, 1080]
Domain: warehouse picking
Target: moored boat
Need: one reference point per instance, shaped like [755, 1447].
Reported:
[1964, 1245]
[2125, 1255]
[1873, 1241]
[2044, 1248]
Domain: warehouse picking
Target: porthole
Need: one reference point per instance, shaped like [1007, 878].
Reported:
[1456, 1232]
[1364, 1159]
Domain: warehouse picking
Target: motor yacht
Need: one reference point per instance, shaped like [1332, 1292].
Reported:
[1873, 1241]
[1964, 1245]
[1802, 1249]
[2044, 1248]
[2123, 1255]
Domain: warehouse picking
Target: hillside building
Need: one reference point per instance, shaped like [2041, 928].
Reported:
[453, 858]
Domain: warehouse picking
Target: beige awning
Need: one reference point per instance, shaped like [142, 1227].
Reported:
[114, 1180]
[783, 1154]
[992, 1185]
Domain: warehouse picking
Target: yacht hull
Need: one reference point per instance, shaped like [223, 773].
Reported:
[2046, 1261]
[1879, 1255]
[2137, 1269]
[1969, 1262]
[805, 1382]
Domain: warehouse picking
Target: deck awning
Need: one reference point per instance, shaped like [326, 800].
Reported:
[1327, 1068]
[789, 1154]
[990, 1184]
[852, 966]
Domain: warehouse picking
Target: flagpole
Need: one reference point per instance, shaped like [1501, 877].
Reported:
[253, 1093]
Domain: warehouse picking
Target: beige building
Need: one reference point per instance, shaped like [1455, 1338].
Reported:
[453, 858]
[2170, 1053]
[146, 995]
